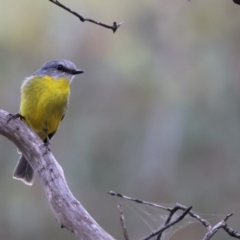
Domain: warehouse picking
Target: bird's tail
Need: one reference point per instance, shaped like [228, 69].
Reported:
[23, 171]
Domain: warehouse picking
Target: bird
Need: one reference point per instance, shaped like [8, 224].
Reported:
[43, 105]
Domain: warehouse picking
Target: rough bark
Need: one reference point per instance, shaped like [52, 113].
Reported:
[67, 210]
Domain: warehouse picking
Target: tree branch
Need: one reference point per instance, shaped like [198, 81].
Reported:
[222, 224]
[67, 210]
[167, 225]
[169, 222]
[114, 27]
[123, 224]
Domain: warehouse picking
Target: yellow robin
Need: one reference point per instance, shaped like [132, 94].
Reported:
[44, 102]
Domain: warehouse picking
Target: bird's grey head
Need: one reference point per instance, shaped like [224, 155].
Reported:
[59, 69]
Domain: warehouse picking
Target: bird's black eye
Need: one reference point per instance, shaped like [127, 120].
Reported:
[60, 67]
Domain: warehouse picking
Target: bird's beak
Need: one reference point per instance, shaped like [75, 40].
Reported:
[77, 71]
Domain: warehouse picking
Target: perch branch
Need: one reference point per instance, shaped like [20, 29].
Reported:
[114, 27]
[69, 212]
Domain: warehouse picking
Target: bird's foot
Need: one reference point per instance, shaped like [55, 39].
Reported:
[14, 116]
[46, 145]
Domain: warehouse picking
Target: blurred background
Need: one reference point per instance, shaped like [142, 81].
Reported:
[156, 115]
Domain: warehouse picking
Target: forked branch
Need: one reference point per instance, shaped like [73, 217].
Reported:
[172, 220]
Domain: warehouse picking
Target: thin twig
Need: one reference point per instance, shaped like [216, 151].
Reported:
[231, 232]
[114, 27]
[222, 224]
[175, 209]
[210, 230]
[162, 229]
[124, 228]
[204, 222]
[138, 200]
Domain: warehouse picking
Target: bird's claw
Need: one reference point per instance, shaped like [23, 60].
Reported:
[14, 116]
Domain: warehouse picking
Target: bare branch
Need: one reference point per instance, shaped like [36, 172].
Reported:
[138, 200]
[172, 212]
[162, 229]
[168, 223]
[124, 228]
[223, 225]
[69, 212]
[114, 27]
[204, 222]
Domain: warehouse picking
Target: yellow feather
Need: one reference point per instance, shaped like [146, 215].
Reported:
[44, 101]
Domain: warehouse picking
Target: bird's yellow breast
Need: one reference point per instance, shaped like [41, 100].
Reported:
[44, 101]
